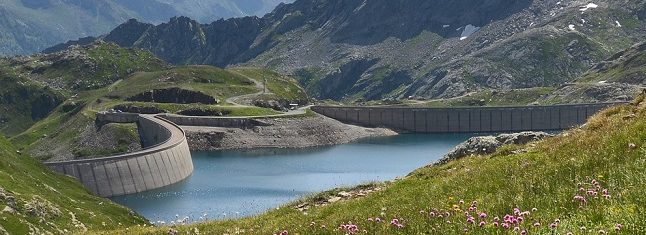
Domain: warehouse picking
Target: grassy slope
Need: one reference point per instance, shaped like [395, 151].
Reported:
[545, 175]
[65, 126]
[488, 98]
[214, 81]
[628, 66]
[282, 86]
[27, 100]
[97, 66]
[23, 103]
[61, 201]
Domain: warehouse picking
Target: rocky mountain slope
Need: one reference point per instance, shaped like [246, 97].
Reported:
[28, 26]
[367, 50]
[618, 78]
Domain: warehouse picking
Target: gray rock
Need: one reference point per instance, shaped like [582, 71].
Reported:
[488, 144]
[8, 210]
[11, 202]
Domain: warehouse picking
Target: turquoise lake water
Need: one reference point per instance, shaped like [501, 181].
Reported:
[232, 184]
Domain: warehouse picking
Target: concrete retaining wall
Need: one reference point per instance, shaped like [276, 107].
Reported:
[465, 120]
[213, 121]
[165, 160]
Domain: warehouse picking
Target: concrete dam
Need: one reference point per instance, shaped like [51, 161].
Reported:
[465, 120]
[165, 159]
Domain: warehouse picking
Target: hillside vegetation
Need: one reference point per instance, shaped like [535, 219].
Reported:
[587, 180]
[33, 200]
[52, 99]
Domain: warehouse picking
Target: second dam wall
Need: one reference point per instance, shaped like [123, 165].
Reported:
[465, 120]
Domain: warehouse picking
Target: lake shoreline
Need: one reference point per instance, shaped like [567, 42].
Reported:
[238, 183]
[301, 132]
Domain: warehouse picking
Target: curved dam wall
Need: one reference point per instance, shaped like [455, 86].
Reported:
[465, 120]
[165, 160]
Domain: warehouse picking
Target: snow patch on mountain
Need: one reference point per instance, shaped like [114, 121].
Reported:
[468, 30]
[589, 6]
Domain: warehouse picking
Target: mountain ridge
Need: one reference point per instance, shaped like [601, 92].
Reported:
[443, 52]
[28, 26]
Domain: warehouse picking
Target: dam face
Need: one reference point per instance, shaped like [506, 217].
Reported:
[165, 159]
[465, 120]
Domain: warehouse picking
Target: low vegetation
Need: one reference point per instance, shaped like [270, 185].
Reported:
[281, 86]
[33, 200]
[51, 100]
[517, 97]
[587, 180]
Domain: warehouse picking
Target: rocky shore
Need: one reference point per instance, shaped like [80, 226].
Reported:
[488, 144]
[299, 132]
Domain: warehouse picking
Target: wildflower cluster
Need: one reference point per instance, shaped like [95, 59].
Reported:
[594, 191]
[396, 223]
[348, 228]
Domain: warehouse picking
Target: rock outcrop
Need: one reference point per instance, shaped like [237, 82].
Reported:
[174, 95]
[488, 144]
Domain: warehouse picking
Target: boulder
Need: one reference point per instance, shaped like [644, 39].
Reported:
[481, 145]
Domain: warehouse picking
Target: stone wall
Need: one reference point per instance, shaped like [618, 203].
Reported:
[229, 122]
[165, 160]
[465, 120]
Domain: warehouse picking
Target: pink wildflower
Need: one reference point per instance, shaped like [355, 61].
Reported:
[553, 225]
[482, 223]
[483, 215]
[618, 227]
[537, 224]
[579, 199]
[395, 222]
[284, 232]
[534, 209]
[592, 193]
[524, 232]
[602, 231]
[505, 225]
